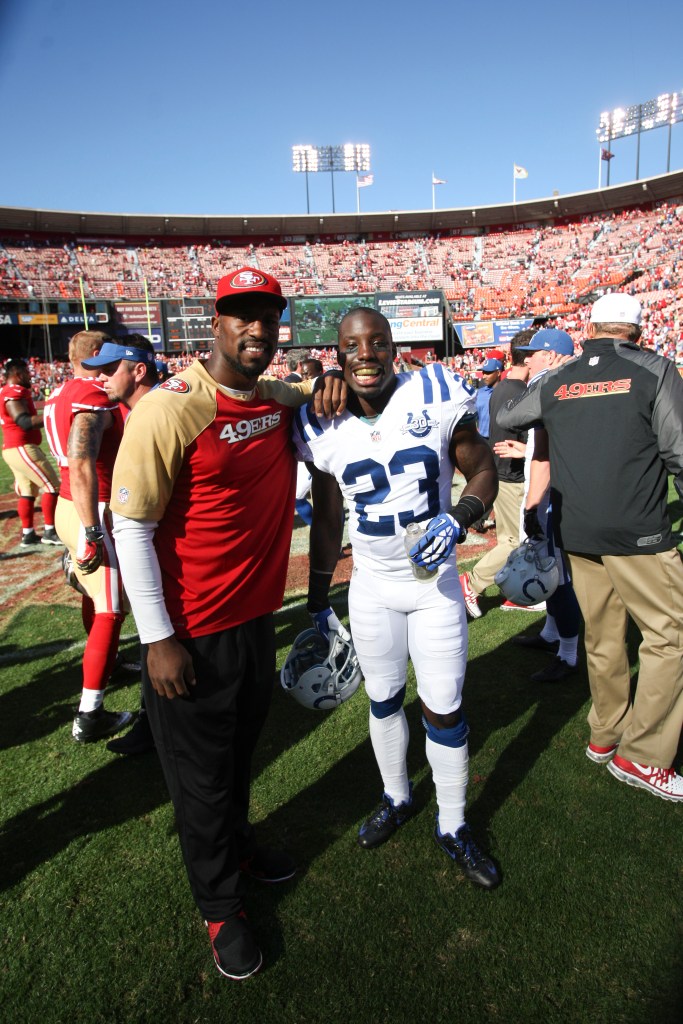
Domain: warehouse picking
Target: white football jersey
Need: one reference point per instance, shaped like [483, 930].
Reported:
[395, 470]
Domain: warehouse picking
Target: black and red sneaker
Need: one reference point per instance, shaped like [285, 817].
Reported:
[236, 954]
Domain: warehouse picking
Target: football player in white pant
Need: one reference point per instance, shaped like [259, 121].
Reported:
[392, 455]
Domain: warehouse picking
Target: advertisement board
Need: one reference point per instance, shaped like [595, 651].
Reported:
[134, 314]
[483, 333]
[414, 316]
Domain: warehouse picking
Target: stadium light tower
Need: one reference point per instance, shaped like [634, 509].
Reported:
[666, 109]
[352, 156]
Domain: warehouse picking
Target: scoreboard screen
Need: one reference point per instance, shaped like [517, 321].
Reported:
[188, 324]
[315, 320]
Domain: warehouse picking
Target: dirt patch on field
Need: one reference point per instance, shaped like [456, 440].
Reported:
[34, 576]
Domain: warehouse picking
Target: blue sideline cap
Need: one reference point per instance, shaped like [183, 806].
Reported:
[550, 339]
[111, 352]
[491, 365]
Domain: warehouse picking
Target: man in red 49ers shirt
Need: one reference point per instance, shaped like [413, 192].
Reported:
[22, 452]
[84, 428]
[203, 503]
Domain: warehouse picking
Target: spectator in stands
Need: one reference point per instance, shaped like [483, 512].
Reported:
[508, 503]
[294, 359]
[610, 455]
[21, 451]
[163, 370]
[311, 368]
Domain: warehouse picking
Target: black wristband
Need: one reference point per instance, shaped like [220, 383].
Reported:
[468, 510]
[318, 590]
[24, 421]
[94, 533]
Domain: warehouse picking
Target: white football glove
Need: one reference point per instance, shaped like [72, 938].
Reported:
[326, 622]
[434, 547]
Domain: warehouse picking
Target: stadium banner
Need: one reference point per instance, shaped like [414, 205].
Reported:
[488, 333]
[8, 319]
[37, 319]
[414, 316]
[134, 314]
[77, 318]
[315, 320]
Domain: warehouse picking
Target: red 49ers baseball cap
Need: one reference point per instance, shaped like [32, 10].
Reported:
[247, 281]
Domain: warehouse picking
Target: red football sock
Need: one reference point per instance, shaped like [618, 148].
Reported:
[49, 504]
[87, 612]
[25, 507]
[100, 650]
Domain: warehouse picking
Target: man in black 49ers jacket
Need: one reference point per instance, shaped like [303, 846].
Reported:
[614, 419]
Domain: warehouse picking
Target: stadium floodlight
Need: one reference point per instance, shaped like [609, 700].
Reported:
[352, 156]
[665, 110]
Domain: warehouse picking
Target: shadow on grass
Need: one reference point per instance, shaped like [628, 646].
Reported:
[107, 797]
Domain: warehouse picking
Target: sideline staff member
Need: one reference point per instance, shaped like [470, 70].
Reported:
[614, 419]
[204, 499]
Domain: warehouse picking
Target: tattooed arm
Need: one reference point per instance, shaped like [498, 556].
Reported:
[85, 438]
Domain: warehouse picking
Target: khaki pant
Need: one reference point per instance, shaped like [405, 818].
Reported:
[649, 588]
[104, 586]
[31, 470]
[507, 511]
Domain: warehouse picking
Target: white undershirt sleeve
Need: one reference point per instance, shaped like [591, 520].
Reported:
[141, 576]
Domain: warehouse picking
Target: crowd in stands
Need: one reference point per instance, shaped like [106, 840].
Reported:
[525, 271]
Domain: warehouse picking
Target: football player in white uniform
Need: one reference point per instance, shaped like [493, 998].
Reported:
[391, 455]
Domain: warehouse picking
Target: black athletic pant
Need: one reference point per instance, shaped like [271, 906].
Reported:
[205, 743]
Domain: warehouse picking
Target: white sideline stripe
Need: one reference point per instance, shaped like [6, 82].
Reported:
[42, 652]
[28, 581]
[31, 652]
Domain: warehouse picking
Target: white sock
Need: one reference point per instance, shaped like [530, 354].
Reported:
[568, 649]
[91, 700]
[549, 631]
[389, 738]
[450, 773]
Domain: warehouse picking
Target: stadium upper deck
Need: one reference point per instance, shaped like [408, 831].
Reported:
[546, 256]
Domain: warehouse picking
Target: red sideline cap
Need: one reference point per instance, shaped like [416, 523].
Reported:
[247, 281]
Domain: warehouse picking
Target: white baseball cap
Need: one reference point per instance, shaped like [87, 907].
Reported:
[616, 308]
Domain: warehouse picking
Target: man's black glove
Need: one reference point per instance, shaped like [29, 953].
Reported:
[532, 527]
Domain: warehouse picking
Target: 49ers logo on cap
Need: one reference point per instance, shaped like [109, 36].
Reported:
[247, 279]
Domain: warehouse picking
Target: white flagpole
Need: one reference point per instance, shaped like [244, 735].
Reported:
[599, 165]
[433, 193]
[357, 194]
[514, 185]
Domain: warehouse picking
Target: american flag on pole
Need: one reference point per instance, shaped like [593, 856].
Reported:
[365, 180]
[606, 155]
[438, 181]
[521, 172]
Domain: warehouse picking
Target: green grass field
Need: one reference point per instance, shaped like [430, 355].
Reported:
[98, 924]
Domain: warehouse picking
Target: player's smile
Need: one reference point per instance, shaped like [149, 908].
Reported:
[366, 354]
[245, 340]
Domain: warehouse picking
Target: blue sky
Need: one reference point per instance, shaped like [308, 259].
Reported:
[193, 107]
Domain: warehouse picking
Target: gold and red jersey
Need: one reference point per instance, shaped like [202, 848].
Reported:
[216, 470]
[12, 435]
[82, 394]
